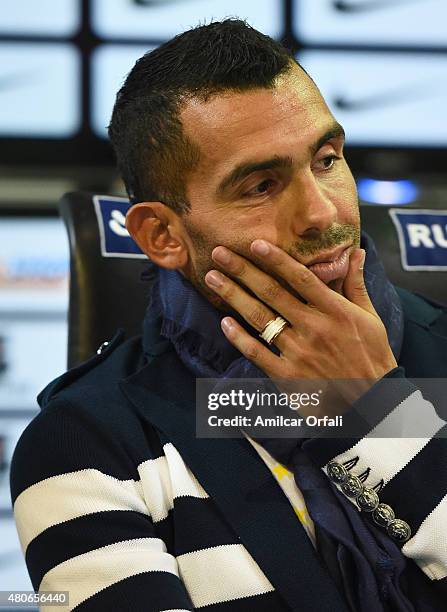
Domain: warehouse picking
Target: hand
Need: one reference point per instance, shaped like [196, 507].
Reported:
[329, 337]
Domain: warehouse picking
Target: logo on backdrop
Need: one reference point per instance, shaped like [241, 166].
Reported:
[155, 2]
[115, 239]
[347, 6]
[422, 238]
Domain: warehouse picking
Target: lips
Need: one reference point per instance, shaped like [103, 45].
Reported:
[332, 265]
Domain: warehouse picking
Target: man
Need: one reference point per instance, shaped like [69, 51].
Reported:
[242, 197]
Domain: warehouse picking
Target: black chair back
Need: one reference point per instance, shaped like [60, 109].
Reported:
[412, 244]
[106, 290]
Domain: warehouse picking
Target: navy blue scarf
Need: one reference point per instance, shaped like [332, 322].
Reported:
[363, 561]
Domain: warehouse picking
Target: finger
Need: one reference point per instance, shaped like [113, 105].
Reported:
[354, 286]
[251, 348]
[264, 286]
[252, 310]
[300, 278]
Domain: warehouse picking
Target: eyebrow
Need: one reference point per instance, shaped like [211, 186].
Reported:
[244, 169]
[335, 131]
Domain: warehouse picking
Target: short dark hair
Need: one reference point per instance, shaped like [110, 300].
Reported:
[153, 154]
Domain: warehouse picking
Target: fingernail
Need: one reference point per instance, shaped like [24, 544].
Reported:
[260, 247]
[214, 278]
[221, 255]
[362, 259]
[227, 324]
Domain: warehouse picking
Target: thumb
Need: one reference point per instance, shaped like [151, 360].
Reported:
[354, 286]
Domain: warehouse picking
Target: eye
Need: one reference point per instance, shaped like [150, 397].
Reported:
[328, 162]
[260, 188]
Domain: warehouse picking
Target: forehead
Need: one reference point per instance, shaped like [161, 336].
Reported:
[232, 125]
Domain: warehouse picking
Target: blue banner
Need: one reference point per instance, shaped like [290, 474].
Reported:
[422, 238]
[115, 239]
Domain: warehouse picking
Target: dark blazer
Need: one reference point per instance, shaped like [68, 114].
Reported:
[118, 502]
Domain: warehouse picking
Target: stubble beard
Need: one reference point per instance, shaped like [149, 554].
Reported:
[203, 262]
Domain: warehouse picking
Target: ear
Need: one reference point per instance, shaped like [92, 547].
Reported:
[157, 230]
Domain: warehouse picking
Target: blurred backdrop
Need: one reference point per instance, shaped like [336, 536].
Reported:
[381, 65]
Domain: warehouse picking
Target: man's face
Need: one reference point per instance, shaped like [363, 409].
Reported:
[268, 169]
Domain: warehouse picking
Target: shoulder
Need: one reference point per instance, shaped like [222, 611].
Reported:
[422, 311]
[424, 348]
[98, 376]
[85, 421]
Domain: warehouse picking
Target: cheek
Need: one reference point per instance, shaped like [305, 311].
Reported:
[205, 236]
[261, 221]
[238, 229]
[345, 196]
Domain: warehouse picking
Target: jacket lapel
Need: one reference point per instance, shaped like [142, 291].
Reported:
[239, 482]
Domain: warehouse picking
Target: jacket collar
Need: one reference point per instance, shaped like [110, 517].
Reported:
[239, 483]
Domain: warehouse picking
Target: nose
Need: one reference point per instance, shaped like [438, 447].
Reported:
[314, 211]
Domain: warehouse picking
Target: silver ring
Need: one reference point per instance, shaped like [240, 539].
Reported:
[273, 329]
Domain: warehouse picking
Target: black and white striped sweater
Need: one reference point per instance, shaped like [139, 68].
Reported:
[118, 502]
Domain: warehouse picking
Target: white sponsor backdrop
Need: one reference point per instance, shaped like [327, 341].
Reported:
[35, 353]
[42, 18]
[391, 99]
[110, 65]
[40, 90]
[13, 573]
[384, 99]
[162, 19]
[33, 349]
[409, 23]
[34, 261]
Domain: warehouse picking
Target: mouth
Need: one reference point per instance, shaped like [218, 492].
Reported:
[330, 266]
